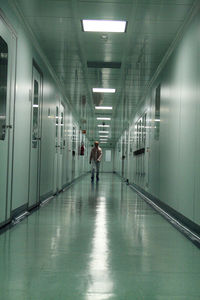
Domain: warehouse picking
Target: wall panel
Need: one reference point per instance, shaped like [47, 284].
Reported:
[173, 159]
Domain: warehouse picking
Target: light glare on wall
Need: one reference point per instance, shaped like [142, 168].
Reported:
[103, 90]
[104, 25]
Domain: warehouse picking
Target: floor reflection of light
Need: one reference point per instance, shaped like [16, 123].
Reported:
[100, 284]
[55, 242]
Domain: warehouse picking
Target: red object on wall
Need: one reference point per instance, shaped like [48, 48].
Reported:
[82, 150]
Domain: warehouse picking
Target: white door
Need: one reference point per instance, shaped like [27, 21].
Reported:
[107, 161]
[7, 85]
[74, 137]
[123, 158]
[57, 146]
[61, 149]
[35, 145]
[146, 145]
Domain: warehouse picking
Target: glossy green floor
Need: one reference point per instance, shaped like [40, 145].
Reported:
[97, 242]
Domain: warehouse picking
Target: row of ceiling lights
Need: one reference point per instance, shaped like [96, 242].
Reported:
[103, 26]
[103, 138]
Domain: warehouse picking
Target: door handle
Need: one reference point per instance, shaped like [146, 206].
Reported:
[7, 126]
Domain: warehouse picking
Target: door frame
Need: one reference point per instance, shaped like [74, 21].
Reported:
[11, 113]
[36, 66]
[64, 141]
[56, 147]
[61, 133]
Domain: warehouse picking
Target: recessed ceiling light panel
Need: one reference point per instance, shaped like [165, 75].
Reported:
[103, 90]
[103, 125]
[108, 119]
[104, 26]
[104, 107]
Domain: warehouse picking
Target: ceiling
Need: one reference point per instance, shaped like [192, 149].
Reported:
[152, 26]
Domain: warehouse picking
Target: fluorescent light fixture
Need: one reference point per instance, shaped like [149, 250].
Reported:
[108, 119]
[104, 142]
[103, 136]
[103, 107]
[103, 125]
[104, 25]
[103, 131]
[35, 105]
[103, 90]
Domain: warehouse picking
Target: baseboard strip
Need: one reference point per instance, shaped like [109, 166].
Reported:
[21, 213]
[191, 235]
[187, 227]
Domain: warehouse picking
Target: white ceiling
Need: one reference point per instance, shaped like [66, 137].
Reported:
[152, 26]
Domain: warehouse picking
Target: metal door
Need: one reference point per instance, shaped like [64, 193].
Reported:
[123, 157]
[126, 166]
[7, 84]
[61, 149]
[107, 160]
[35, 145]
[147, 148]
[57, 147]
[74, 137]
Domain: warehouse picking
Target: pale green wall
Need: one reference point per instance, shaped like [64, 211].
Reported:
[172, 171]
[27, 51]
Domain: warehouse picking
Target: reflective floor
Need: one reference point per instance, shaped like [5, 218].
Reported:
[97, 242]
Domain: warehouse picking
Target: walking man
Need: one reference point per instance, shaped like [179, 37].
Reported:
[95, 158]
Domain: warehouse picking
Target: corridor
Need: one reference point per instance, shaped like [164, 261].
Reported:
[95, 242]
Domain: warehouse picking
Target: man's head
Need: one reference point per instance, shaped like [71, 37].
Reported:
[96, 144]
